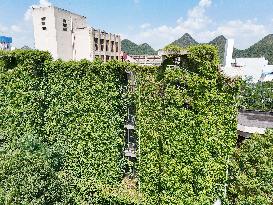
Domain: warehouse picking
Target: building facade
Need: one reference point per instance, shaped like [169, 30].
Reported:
[67, 36]
[5, 43]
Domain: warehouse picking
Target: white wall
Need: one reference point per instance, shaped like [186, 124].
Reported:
[82, 44]
[64, 38]
[252, 67]
[45, 40]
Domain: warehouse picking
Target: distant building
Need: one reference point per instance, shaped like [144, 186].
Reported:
[254, 68]
[5, 43]
[68, 37]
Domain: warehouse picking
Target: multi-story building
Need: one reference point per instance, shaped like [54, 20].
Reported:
[67, 36]
[5, 43]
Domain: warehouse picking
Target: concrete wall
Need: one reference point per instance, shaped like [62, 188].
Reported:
[45, 40]
[82, 44]
[64, 38]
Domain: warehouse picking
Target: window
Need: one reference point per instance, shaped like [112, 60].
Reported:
[117, 47]
[107, 45]
[101, 44]
[112, 46]
[64, 25]
[43, 19]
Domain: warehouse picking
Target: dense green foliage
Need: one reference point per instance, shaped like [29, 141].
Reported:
[61, 128]
[134, 49]
[257, 96]
[62, 133]
[251, 172]
[186, 124]
[263, 48]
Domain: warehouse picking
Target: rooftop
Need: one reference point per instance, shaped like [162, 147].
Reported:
[256, 119]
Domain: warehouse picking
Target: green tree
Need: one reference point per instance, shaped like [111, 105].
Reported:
[256, 96]
[251, 172]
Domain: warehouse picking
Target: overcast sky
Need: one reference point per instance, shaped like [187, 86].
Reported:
[157, 22]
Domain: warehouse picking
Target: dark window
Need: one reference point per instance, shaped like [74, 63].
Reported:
[112, 46]
[101, 44]
[64, 25]
[43, 23]
[107, 45]
[116, 47]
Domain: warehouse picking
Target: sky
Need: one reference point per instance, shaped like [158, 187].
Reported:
[157, 22]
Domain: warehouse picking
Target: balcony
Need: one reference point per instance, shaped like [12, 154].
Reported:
[130, 122]
[130, 150]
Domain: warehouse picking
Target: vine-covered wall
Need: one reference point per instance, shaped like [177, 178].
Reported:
[61, 126]
[186, 120]
[62, 130]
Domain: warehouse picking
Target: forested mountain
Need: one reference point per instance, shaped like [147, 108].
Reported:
[134, 49]
[185, 41]
[220, 43]
[262, 48]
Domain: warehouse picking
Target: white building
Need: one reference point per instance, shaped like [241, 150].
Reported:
[254, 68]
[67, 36]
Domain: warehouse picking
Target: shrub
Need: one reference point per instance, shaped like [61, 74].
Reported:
[251, 171]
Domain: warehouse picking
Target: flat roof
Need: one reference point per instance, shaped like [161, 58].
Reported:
[257, 119]
[55, 7]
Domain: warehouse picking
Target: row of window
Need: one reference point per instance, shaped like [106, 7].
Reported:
[107, 57]
[112, 45]
[44, 28]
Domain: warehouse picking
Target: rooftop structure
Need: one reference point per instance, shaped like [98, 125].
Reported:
[67, 36]
[144, 60]
[5, 43]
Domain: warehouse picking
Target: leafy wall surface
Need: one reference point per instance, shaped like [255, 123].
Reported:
[186, 121]
[61, 128]
[62, 135]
